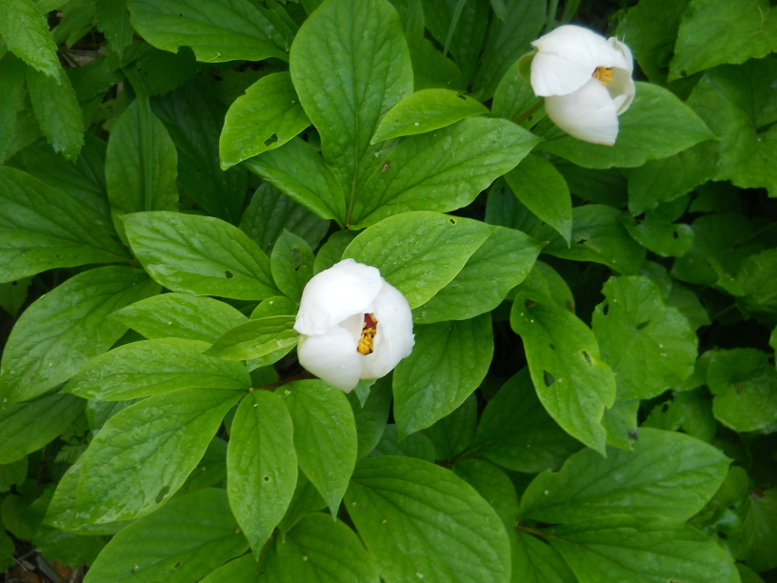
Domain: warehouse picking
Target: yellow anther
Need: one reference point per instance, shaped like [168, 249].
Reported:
[603, 74]
[369, 330]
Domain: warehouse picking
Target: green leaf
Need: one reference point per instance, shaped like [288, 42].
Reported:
[599, 236]
[664, 238]
[262, 466]
[427, 172]
[712, 34]
[200, 255]
[299, 172]
[504, 260]
[194, 118]
[420, 521]
[346, 113]
[431, 70]
[460, 27]
[66, 328]
[13, 295]
[667, 474]
[57, 111]
[544, 282]
[656, 125]
[180, 316]
[319, 549]
[572, 382]
[324, 436]
[620, 422]
[631, 549]
[267, 116]
[144, 453]
[419, 253]
[161, 72]
[448, 362]
[12, 77]
[650, 347]
[184, 541]
[113, 20]
[543, 190]
[306, 499]
[493, 485]
[756, 538]
[216, 30]
[535, 561]
[41, 228]
[140, 164]
[415, 445]
[256, 338]
[12, 474]
[517, 433]
[755, 279]
[745, 389]
[425, 111]
[27, 427]
[371, 417]
[241, 570]
[514, 97]
[453, 434]
[153, 367]
[690, 411]
[270, 212]
[733, 101]
[26, 33]
[292, 264]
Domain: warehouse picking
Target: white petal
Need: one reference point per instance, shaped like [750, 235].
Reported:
[622, 89]
[553, 75]
[332, 357]
[628, 59]
[394, 339]
[588, 114]
[343, 290]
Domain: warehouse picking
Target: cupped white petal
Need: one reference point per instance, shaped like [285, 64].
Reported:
[332, 357]
[554, 75]
[343, 290]
[394, 340]
[623, 49]
[588, 114]
[622, 89]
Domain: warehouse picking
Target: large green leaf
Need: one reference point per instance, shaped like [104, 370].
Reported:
[319, 549]
[152, 367]
[503, 260]
[632, 549]
[256, 338]
[415, 445]
[42, 227]
[194, 118]
[66, 328]
[535, 561]
[667, 474]
[420, 521]
[428, 172]
[241, 570]
[650, 346]
[517, 433]
[571, 380]
[57, 111]
[216, 30]
[182, 542]
[180, 316]
[656, 125]
[324, 436]
[305, 500]
[267, 116]
[713, 33]
[200, 255]
[261, 465]
[419, 253]
[453, 434]
[448, 362]
[145, 452]
[493, 485]
[26, 33]
[141, 163]
[361, 45]
[27, 427]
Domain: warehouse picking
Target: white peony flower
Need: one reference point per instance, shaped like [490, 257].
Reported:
[353, 325]
[585, 80]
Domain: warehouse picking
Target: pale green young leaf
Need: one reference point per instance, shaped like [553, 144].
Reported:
[216, 30]
[324, 436]
[26, 33]
[187, 539]
[419, 253]
[66, 328]
[256, 338]
[199, 255]
[517, 433]
[261, 465]
[144, 453]
[153, 367]
[417, 518]
[180, 316]
[573, 383]
[448, 362]
[267, 116]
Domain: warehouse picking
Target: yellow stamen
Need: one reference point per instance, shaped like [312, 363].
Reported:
[369, 330]
[603, 74]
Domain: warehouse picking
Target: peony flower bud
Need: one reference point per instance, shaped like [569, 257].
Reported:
[586, 81]
[353, 325]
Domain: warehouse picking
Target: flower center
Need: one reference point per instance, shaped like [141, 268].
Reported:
[369, 329]
[603, 74]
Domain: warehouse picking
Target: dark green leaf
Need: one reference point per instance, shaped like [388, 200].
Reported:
[12, 77]
[535, 561]
[372, 415]
[113, 20]
[754, 541]
[306, 499]
[292, 264]
[431, 70]
[452, 434]
[493, 485]
[12, 473]
[57, 111]
[415, 445]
